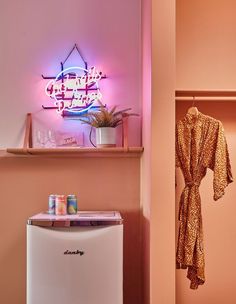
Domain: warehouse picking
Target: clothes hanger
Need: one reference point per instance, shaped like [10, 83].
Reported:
[193, 110]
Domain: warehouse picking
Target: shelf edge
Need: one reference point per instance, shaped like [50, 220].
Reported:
[79, 152]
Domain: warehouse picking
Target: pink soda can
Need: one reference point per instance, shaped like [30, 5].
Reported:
[60, 205]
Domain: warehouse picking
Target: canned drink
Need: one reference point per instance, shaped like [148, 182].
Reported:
[51, 203]
[60, 205]
[72, 207]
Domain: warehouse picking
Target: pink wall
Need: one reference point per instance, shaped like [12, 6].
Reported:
[36, 36]
[25, 186]
[205, 44]
[146, 159]
[162, 226]
[108, 33]
[206, 60]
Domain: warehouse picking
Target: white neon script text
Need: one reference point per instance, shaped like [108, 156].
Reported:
[80, 101]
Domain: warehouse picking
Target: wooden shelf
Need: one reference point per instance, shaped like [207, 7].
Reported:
[79, 152]
[27, 150]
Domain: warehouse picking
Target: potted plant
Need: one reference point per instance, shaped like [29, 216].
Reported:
[105, 121]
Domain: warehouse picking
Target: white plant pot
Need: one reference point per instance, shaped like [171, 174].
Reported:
[105, 137]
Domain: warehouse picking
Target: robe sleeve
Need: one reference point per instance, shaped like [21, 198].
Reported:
[221, 165]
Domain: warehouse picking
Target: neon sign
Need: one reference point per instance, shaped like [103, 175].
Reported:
[74, 89]
[71, 89]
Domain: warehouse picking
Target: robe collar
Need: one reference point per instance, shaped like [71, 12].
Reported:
[192, 120]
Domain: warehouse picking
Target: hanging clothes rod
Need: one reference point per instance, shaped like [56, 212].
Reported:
[229, 95]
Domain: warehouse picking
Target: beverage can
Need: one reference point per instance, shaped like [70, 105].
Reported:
[60, 205]
[72, 207]
[51, 203]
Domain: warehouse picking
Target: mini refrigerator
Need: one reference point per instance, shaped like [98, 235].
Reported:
[75, 259]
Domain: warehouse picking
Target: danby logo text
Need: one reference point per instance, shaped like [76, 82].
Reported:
[74, 252]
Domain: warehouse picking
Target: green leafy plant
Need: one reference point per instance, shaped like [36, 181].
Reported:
[104, 117]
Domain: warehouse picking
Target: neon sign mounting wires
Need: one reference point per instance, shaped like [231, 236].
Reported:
[75, 89]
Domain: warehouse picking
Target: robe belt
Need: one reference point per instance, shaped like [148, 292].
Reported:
[188, 185]
[192, 183]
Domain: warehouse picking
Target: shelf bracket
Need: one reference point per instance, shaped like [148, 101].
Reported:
[125, 130]
[28, 132]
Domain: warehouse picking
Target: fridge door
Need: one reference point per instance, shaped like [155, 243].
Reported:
[76, 265]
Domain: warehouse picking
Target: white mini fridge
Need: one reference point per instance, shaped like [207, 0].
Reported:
[75, 259]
